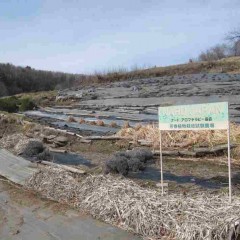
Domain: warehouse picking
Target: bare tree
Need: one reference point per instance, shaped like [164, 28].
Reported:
[236, 48]
[234, 38]
[215, 53]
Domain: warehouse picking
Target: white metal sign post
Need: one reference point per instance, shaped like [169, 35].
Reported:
[209, 116]
[161, 161]
[229, 165]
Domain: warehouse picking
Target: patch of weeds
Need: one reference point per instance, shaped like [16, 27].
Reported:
[41, 98]
[26, 104]
[9, 104]
[14, 104]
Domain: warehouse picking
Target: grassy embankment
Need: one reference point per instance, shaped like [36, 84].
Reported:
[226, 65]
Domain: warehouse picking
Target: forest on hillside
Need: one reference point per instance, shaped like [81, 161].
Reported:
[14, 80]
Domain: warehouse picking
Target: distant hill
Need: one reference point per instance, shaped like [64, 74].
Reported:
[14, 80]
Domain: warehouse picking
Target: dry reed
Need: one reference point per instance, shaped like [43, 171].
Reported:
[71, 119]
[113, 124]
[143, 211]
[100, 123]
[126, 125]
[171, 139]
[82, 120]
[92, 123]
[138, 127]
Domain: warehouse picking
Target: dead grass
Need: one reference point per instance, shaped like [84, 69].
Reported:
[113, 124]
[100, 123]
[82, 121]
[10, 123]
[27, 127]
[126, 125]
[226, 65]
[138, 127]
[92, 123]
[71, 119]
[124, 203]
[171, 139]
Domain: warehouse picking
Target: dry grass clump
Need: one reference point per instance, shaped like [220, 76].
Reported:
[20, 144]
[181, 138]
[122, 143]
[144, 211]
[113, 124]
[82, 121]
[54, 183]
[100, 123]
[10, 119]
[71, 119]
[138, 127]
[235, 153]
[11, 141]
[93, 123]
[126, 125]
[28, 126]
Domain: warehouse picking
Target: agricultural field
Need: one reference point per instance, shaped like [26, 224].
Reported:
[119, 120]
[88, 141]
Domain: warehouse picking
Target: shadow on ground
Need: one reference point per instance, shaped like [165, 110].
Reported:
[217, 182]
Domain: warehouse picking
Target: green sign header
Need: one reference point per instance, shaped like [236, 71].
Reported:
[194, 117]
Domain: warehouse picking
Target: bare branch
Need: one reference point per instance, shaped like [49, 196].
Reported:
[233, 36]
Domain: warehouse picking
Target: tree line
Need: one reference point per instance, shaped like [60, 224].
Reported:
[219, 51]
[14, 80]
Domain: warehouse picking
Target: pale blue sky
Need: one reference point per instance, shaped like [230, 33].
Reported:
[81, 36]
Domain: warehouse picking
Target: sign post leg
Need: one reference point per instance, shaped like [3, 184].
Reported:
[229, 165]
[161, 162]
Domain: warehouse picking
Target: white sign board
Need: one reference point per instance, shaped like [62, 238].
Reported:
[209, 116]
[194, 117]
